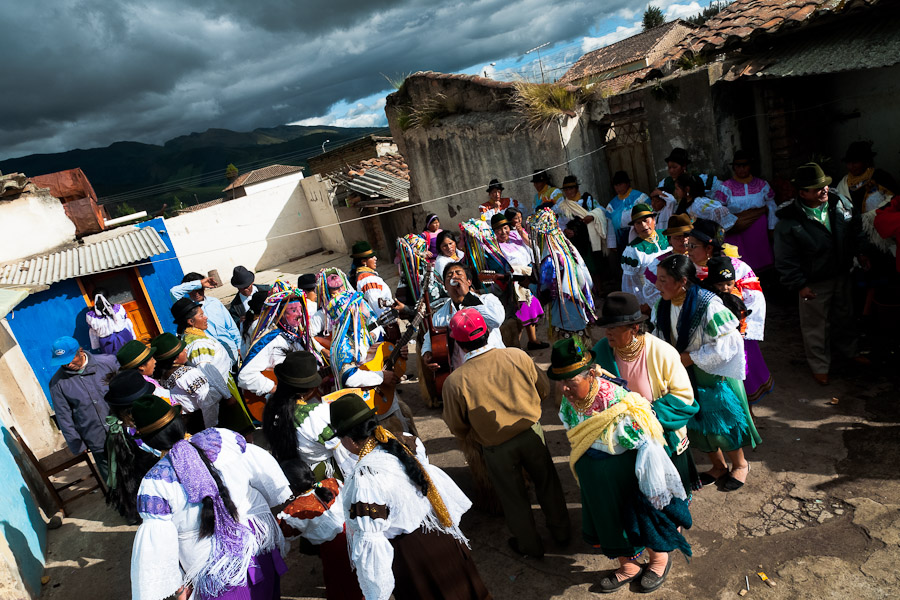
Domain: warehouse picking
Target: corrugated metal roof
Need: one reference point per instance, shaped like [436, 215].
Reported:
[378, 183]
[130, 246]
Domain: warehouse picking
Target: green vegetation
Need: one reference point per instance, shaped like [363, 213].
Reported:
[707, 13]
[653, 17]
[544, 103]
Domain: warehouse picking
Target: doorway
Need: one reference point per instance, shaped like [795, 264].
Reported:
[124, 286]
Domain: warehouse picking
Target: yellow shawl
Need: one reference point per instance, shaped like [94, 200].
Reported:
[603, 425]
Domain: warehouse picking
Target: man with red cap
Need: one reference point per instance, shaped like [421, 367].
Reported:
[495, 397]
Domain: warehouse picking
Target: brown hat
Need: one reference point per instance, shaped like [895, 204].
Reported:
[679, 224]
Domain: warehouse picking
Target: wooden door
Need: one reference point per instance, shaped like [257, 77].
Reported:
[628, 149]
[124, 287]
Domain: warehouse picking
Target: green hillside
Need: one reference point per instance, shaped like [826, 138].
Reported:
[189, 168]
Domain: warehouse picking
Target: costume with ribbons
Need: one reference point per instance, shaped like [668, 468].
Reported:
[632, 496]
[404, 542]
[243, 557]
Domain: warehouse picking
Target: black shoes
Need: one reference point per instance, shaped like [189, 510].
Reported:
[538, 345]
[651, 581]
[610, 583]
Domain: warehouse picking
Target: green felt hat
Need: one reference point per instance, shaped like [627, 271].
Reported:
[639, 212]
[362, 249]
[810, 177]
[348, 411]
[168, 346]
[498, 221]
[568, 359]
[151, 413]
[134, 354]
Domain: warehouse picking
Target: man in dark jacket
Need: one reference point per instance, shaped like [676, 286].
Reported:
[76, 391]
[243, 279]
[816, 239]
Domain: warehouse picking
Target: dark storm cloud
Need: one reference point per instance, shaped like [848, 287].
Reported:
[88, 73]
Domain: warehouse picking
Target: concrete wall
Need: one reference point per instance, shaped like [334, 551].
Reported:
[160, 275]
[484, 139]
[34, 222]
[22, 529]
[318, 193]
[252, 231]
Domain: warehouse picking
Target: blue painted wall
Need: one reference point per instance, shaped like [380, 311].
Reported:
[20, 520]
[61, 310]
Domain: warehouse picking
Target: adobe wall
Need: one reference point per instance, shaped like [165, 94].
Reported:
[46, 225]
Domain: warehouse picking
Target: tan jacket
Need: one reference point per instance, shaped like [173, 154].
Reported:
[495, 396]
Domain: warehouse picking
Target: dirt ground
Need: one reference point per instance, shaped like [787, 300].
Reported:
[819, 514]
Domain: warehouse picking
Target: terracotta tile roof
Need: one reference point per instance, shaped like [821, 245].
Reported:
[634, 48]
[201, 206]
[264, 174]
[742, 21]
[621, 83]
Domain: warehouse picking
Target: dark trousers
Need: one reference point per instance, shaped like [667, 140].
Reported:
[505, 463]
[102, 464]
[826, 323]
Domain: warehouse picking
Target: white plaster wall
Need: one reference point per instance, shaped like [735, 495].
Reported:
[318, 197]
[22, 401]
[33, 223]
[257, 231]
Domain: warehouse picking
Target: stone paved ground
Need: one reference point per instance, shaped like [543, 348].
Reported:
[819, 513]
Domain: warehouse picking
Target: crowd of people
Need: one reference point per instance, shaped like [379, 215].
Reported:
[309, 371]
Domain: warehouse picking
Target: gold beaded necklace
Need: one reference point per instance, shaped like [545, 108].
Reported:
[630, 352]
[581, 406]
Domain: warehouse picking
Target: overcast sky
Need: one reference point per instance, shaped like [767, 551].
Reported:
[86, 73]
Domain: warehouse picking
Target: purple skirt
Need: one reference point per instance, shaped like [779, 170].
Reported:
[753, 245]
[112, 343]
[759, 380]
[529, 313]
[263, 579]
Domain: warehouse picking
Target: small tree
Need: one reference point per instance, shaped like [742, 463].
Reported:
[125, 209]
[231, 173]
[653, 17]
[707, 13]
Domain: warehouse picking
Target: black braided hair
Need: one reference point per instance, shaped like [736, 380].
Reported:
[278, 424]
[207, 513]
[132, 464]
[411, 466]
[301, 478]
[680, 267]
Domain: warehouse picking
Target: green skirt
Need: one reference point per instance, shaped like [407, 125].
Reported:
[608, 485]
[712, 442]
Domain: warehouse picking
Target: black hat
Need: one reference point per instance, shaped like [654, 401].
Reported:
[242, 277]
[362, 249]
[494, 185]
[810, 177]
[151, 413]
[182, 309]
[540, 175]
[570, 181]
[708, 232]
[498, 221]
[307, 282]
[168, 346]
[568, 359]
[859, 152]
[133, 354]
[299, 370]
[720, 269]
[680, 156]
[127, 386]
[741, 156]
[348, 411]
[620, 308]
[621, 177]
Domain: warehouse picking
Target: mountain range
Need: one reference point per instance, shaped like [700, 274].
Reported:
[186, 170]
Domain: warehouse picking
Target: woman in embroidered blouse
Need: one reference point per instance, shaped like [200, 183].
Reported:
[449, 253]
[109, 325]
[705, 333]
[752, 201]
[631, 494]
[208, 526]
[689, 193]
[189, 387]
[402, 515]
[653, 369]
[704, 243]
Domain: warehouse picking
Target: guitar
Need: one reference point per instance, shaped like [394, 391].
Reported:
[257, 404]
[386, 356]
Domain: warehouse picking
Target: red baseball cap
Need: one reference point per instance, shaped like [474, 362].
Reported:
[467, 325]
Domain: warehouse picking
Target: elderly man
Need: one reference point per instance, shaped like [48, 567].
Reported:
[816, 239]
[495, 396]
[458, 281]
[637, 256]
[77, 393]
[221, 324]
[245, 281]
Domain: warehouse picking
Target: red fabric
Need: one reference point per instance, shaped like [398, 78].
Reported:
[887, 223]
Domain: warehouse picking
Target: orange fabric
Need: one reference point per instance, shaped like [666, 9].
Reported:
[310, 506]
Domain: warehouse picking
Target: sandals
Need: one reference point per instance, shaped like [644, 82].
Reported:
[732, 484]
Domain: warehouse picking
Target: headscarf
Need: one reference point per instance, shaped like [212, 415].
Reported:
[103, 308]
[271, 321]
[351, 339]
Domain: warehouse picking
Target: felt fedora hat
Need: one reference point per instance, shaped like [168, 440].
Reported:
[348, 411]
[859, 152]
[570, 181]
[307, 282]
[299, 370]
[741, 157]
[568, 359]
[362, 249]
[182, 309]
[494, 185]
[168, 346]
[810, 177]
[621, 177]
[639, 212]
[127, 386]
[678, 155]
[133, 354]
[540, 175]
[151, 413]
[498, 221]
[679, 224]
[242, 277]
[621, 308]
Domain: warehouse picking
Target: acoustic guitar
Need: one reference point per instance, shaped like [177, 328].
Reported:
[257, 404]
